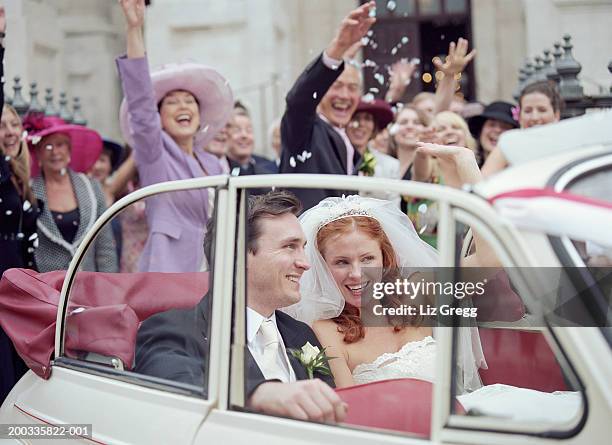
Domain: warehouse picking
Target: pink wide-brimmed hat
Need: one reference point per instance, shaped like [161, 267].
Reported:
[85, 143]
[211, 90]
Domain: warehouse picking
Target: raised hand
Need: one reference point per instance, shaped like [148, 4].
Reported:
[352, 29]
[134, 12]
[458, 164]
[400, 75]
[457, 58]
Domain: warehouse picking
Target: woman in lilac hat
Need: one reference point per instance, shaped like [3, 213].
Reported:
[61, 153]
[168, 117]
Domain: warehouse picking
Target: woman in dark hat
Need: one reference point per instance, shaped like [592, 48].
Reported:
[369, 118]
[496, 118]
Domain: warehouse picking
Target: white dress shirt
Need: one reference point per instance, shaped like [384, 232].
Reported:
[256, 346]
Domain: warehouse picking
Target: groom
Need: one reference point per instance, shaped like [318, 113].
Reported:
[174, 345]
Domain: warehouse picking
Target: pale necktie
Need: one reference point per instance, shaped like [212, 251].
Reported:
[270, 343]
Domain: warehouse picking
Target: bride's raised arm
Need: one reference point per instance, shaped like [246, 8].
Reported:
[329, 337]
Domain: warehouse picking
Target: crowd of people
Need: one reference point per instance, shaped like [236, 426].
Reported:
[182, 122]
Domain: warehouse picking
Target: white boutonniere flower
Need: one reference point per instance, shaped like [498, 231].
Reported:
[313, 359]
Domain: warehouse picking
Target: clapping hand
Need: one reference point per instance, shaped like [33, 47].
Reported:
[458, 164]
[457, 58]
[134, 11]
[352, 29]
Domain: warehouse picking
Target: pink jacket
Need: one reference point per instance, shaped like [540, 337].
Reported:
[177, 220]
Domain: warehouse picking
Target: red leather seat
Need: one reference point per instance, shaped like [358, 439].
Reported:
[520, 358]
[402, 405]
[105, 310]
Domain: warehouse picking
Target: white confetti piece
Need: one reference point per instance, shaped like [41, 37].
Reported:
[394, 51]
[405, 40]
[368, 97]
[314, 95]
[372, 12]
[9, 212]
[292, 162]
[391, 5]
[365, 41]
[26, 205]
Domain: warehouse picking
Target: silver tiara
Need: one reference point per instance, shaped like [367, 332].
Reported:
[334, 209]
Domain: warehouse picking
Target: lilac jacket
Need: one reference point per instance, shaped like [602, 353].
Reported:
[177, 220]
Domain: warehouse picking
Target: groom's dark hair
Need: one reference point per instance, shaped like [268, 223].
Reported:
[275, 203]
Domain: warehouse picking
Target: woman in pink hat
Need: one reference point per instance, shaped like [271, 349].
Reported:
[61, 153]
[168, 117]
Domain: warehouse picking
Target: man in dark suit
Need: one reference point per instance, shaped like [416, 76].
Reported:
[174, 345]
[241, 144]
[320, 106]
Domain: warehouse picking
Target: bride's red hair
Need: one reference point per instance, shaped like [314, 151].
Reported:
[349, 321]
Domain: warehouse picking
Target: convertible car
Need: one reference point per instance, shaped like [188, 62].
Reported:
[544, 324]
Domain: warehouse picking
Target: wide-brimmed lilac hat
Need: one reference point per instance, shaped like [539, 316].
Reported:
[85, 143]
[211, 90]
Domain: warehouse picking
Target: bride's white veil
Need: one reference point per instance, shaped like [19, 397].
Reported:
[321, 297]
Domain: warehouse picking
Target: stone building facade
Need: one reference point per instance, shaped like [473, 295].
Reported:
[261, 46]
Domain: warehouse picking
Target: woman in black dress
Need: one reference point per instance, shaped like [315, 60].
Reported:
[18, 213]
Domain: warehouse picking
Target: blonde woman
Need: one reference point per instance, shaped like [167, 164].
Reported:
[17, 215]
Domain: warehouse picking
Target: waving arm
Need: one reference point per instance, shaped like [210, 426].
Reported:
[455, 63]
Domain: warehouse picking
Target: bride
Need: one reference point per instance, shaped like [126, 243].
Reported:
[345, 238]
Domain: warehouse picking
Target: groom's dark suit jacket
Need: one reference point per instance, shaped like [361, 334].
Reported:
[303, 130]
[174, 345]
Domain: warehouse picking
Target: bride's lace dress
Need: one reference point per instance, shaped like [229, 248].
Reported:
[416, 359]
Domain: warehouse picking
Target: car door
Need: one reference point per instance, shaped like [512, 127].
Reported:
[245, 426]
[96, 378]
[447, 423]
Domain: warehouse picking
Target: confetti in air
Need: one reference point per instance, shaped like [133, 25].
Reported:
[380, 78]
[405, 40]
[391, 5]
[292, 162]
[314, 95]
[368, 97]
[394, 51]
[365, 41]
[63, 171]
[372, 12]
